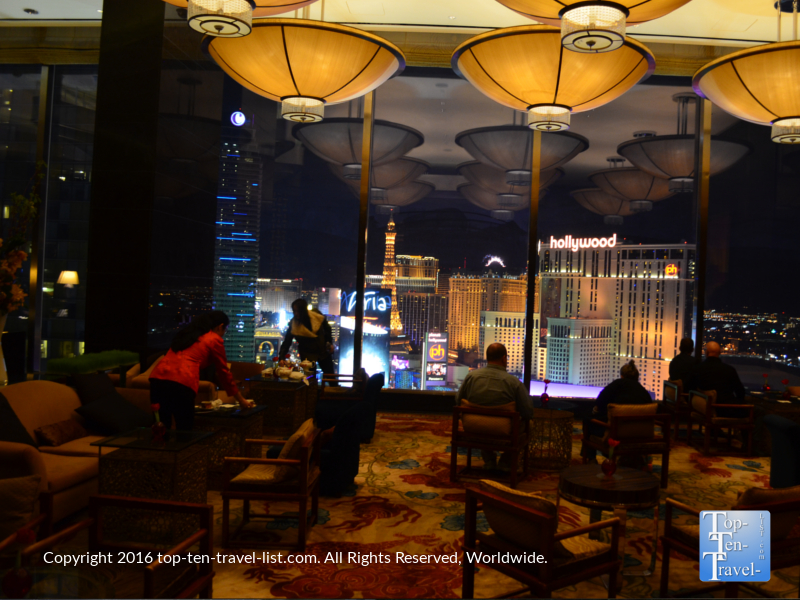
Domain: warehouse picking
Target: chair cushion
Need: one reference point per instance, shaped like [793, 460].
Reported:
[271, 474]
[91, 387]
[66, 471]
[782, 523]
[700, 404]
[485, 424]
[671, 395]
[113, 414]
[60, 433]
[580, 547]
[262, 475]
[634, 429]
[18, 497]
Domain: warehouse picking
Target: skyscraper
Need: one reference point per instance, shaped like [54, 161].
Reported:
[421, 313]
[389, 274]
[237, 233]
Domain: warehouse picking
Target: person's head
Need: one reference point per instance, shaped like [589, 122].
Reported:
[686, 345]
[629, 371]
[713, 350]
[216, 321]
[496, 354]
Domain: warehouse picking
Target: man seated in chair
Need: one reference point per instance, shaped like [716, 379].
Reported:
[625, 390]
[684, 366]
[713, 374]
[494, 386]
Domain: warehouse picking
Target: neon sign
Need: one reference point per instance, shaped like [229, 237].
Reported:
[371, 301]
[437, 353]
[238, 118]
[671, 270]
[492, 260]
[575, 244]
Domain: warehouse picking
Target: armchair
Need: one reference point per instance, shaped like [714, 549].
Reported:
[499, 428]
[292, 477]
[525, 523]
[784, 508]
[634, 426]
[159, 579]
[330, 409]
[676, 403]
[704, 413]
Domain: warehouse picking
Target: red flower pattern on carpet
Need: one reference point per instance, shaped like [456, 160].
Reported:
[703, 464]
[441, 426]
[368, 509]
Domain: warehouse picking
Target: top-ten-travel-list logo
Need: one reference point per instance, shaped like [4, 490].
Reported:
[734, 545]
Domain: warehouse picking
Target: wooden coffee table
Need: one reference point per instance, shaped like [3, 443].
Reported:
[628, 489]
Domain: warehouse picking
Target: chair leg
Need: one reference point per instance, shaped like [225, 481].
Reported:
[226, 503]
[613, 576]
[468, 579]
[665, 549]
[707, 440]
[315, 504]
[677, 426]
[453, 462]
[302, 524]
[665, 469]
[749, 442]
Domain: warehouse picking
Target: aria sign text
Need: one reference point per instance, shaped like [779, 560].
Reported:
[576, 244]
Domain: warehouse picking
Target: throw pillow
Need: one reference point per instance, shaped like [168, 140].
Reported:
[114, 414]
[11, 428]
[92, 387]
[60, 433]
[18, 497]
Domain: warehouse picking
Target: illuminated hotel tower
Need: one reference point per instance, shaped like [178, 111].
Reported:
[389, 273]
[237, 232]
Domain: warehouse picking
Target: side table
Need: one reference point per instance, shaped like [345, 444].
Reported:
[628, 489]
[173, 469]
[288, 402]
[550, 443]
[232, 428]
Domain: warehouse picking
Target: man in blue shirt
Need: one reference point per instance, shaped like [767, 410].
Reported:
[494, 386]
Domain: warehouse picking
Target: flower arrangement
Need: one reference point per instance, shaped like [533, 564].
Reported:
[12, 254]
[786, 393]
[545, 397]
[609, 466]
[159, 428]
[765, 386]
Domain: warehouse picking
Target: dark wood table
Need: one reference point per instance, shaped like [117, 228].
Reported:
[290, 402]
[628, 489]
[232, 427]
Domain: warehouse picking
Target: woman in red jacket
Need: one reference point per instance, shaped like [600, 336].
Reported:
[176, 378]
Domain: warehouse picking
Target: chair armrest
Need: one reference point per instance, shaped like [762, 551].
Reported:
[613, 523]
[150, 570]
[13, 537]
[54, 539]
[266, 442]
[293, 462]
[21, 460]
[682, 507]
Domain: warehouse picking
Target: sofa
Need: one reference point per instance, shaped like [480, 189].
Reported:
[135, 379]
[68, 472]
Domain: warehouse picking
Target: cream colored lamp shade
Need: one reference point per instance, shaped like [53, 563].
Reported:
[501, 206]
[509, 149]
[672, 157]
[68, 278]
[599, 202]
[527, 69]
[232, 18]
[593, 26]
[306, 64]
[388, 200]
[494, 180]
[338, 141]
[637, 187]
[760, 85]
[392, 174]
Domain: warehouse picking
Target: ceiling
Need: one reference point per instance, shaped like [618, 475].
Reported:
[718, 22]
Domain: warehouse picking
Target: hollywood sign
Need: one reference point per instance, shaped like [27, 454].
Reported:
[576, 244]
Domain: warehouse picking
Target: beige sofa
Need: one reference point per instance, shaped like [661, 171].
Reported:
[134, 378]
[68, 472]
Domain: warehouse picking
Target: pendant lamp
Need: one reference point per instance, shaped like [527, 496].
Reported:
[232, 18]
[527, 69]
[672, 156]
[306, 64]
[501, 206]
[593, 26]
[338, 141]
[509, 148]
[760, 84]
[392, 174]
[611, 207]
[494, 180]
[391, 200]
[629, 183]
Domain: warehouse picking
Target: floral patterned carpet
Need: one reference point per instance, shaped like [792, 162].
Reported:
[406, 502]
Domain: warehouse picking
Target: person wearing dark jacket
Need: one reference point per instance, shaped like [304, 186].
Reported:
[684, 365]
[713, 374]
[625, 390]
[313, 334]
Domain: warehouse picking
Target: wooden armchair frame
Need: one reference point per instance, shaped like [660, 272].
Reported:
[200, 584]
[676, 403]
[630, 446]
[301, 489]
[545, 582]
[515, 443]
[711, 424]
[784, 553]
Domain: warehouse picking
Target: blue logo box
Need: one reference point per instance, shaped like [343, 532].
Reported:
[734, 545]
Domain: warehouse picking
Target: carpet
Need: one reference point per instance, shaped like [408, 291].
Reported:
[405, 502]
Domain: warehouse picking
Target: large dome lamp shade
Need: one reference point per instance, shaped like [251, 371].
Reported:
[388, 200]
[494, 180]
[629, 183]
[611, 207]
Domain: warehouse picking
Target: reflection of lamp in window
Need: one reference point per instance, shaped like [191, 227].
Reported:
[68, 278]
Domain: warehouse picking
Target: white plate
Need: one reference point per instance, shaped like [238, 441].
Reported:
[227, 406]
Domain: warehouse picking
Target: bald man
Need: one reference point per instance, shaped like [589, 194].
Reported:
[713, 374]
